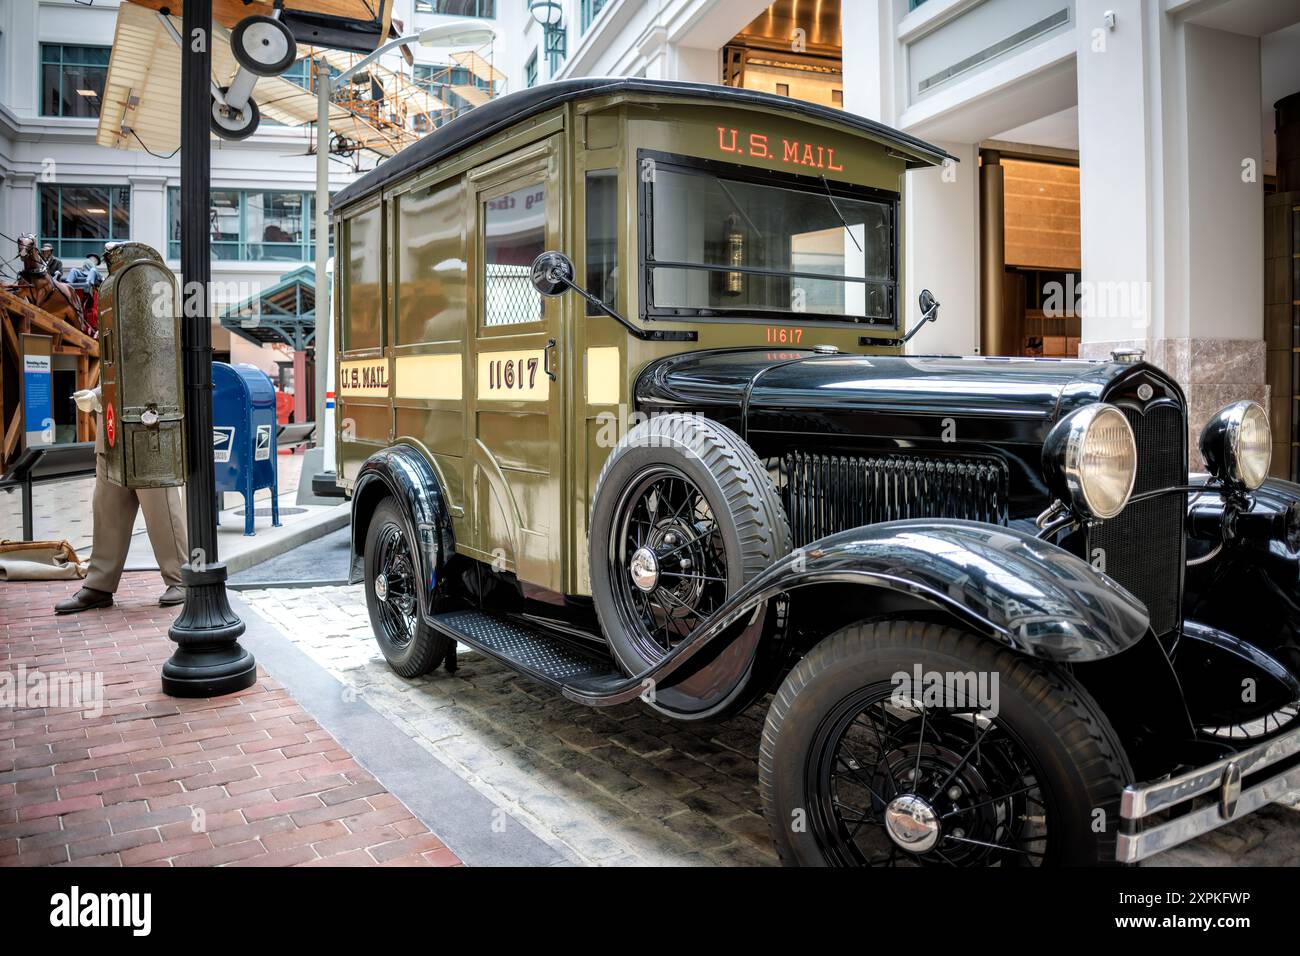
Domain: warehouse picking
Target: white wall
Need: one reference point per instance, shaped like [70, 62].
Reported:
[941, 236]
[1120, 166]
[1225, 186]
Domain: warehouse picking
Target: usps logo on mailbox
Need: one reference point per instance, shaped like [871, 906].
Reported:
[223, 439]
[263, 450]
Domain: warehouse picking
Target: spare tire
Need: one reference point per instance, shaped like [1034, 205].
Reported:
[684, 514]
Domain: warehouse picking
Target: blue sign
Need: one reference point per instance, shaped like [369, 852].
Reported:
[38, 398]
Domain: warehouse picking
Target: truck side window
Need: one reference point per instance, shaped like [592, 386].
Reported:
[362, 320]
[602, 235]
[514, 234]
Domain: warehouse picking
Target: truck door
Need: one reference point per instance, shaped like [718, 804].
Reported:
[515, 408]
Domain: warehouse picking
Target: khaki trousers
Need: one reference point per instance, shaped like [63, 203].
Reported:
[114, 513]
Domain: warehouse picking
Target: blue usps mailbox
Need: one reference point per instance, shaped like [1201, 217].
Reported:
[244, 435]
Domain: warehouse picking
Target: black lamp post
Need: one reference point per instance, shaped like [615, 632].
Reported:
[208, 660]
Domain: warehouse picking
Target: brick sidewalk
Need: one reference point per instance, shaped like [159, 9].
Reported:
[248, 779]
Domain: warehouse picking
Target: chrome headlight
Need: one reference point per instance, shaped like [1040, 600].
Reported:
[1237, 445]
[1090, 459]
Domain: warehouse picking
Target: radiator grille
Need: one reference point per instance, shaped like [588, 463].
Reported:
[829, 493]
[1143, 545]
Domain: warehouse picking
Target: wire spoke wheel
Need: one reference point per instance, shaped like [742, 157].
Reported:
[395, 586]
[683, 516]
[897, 783]
[669, 560]
[394, 580]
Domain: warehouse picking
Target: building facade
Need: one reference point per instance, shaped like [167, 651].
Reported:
[57, 183]
[1116, 159]
[1118, 183]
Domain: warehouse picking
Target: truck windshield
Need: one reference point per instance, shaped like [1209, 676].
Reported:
[718, 244]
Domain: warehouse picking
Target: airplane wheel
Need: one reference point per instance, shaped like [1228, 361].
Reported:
[263, 46]
[234, 124]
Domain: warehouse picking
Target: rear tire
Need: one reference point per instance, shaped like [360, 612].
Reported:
[410, 646]
[1047, 773]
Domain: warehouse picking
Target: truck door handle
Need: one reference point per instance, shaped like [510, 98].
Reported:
[546, 359]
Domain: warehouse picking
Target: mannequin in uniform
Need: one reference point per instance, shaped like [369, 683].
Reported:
[114, 514]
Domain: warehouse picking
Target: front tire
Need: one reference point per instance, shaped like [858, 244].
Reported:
[858, 766]
[392, 577]
[684, 515]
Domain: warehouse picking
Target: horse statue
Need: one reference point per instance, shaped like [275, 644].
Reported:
[37, 286]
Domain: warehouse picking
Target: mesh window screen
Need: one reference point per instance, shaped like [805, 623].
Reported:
[514, 235]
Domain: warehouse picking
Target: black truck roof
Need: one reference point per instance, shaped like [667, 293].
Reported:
[482, 121]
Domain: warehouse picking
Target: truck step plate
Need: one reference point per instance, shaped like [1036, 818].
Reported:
[530, 650]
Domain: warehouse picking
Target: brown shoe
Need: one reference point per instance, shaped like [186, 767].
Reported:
[87, 599]
[172, 596]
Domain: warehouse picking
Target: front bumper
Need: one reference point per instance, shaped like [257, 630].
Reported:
[1163, 814]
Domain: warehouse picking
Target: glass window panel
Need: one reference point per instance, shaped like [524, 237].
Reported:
[50, 212]
[702, 219]
[365, 280]
[678, 288]
[458, 8]
[72, 80]
[120, 223]
[224, 223]
[51, 90]
[602, 236]
[93, 55]
[431, 264]
[79, 220]
[83, 90]
[514, 234]
[83, 213]
[274, 224]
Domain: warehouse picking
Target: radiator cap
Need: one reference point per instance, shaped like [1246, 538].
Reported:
[1127, 356]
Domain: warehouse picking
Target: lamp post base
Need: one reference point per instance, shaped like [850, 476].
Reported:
[209, 660]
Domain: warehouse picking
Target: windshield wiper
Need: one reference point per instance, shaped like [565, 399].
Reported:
[843, 221]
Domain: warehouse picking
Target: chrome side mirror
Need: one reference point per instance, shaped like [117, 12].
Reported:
[552, 274]
[929, 313]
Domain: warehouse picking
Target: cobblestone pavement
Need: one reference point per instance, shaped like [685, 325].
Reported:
[611, 786]
[132, 777]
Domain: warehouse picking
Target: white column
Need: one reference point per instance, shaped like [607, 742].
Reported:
[1225, 185]
[941, 242]
[867, 44]
[1170, 181]
[19, 207]
[149, 211]
[20, 57]
[697, 65]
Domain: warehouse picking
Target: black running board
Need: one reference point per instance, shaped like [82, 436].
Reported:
[533, 651]
[581, 674]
